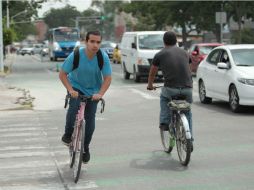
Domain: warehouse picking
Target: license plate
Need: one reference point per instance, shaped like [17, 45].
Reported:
[159, 72]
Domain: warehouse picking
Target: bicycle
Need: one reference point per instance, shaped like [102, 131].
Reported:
[179, 131]
[76, 146]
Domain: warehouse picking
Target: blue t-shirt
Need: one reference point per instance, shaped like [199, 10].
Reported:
[87, 77]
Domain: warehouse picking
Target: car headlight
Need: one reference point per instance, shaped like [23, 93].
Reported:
[246, 81]
[57, 47]
[143, 61]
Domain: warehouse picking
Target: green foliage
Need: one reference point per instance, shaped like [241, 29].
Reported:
[247, 36]
[8, 36]
[62, 17]
[20, 23]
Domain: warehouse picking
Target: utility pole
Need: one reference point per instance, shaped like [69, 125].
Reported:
[1, 39]
[7, 14]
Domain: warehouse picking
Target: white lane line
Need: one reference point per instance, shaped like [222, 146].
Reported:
[144, 95]
[84, 185]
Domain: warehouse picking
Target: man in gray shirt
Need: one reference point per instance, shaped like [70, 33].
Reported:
[174, 63]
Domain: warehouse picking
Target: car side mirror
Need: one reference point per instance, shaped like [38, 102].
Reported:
[194, 53]
[222, 65]
[133, 45]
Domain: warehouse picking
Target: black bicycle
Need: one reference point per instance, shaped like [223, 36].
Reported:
[179, 131]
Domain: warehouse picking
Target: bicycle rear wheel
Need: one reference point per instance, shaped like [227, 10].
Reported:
[165, 140]
[182, 143]
[79, 153]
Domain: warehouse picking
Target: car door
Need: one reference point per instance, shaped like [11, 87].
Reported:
[221, 77]
[209, 75]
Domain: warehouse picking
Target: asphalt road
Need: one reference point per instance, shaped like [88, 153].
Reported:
[126, 152]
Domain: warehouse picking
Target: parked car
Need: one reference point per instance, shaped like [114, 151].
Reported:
[198, 52]
[26, 50]
[117, 55]
[108, 47]
[227, 73]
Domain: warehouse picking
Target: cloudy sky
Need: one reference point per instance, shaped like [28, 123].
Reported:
[81, 5]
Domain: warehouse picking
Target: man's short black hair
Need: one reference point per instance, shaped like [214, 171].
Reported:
[95, 32]
[169, 38]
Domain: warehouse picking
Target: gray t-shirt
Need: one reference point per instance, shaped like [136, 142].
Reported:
[174, 63]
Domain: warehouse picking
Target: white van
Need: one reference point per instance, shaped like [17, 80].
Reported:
[137, 52]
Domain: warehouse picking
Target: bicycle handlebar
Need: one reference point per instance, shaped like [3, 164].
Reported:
[154, 87]
[84, 98]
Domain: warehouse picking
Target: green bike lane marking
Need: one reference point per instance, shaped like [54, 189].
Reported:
[198, 181]
[208, 152]
[198, 178]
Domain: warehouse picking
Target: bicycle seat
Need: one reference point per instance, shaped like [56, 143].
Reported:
[181, 105]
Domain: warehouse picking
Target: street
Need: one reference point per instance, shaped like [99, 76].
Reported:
[126, 152]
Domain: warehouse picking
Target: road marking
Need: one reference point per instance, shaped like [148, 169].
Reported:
[144, 95]
[84, 185]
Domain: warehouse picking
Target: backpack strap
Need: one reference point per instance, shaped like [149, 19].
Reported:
[100, 59]
[76, 58]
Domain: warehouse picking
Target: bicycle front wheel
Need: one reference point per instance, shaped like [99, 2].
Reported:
[79, 153]
[182, 143]
[165, 140]
[72, 149]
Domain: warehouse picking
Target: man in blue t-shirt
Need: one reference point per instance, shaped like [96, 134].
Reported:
[86, 79]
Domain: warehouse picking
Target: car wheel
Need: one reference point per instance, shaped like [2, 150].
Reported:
[234, 99]
[126, 75]
[202, 94]
[136, 77]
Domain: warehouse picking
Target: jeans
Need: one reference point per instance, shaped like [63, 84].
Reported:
[165, 97]
[90, 111]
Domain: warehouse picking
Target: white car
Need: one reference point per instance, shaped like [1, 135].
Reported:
[26, 50]
[227, 73]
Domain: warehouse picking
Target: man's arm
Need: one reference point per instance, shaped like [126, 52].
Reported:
[66, 83]
[104, 87]
[152, 74]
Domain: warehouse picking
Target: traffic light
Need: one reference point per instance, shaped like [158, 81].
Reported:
[103, 17]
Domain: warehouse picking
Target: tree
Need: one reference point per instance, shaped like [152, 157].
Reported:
[62, 17]
[240, 10]
[21, 24]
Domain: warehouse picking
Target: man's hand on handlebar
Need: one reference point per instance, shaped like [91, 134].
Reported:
[150, 87]
[97, 97]
[73, 93]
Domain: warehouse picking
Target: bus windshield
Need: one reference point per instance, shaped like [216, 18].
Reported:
[66, 34]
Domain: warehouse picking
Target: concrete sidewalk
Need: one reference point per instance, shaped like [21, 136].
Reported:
[12, 98]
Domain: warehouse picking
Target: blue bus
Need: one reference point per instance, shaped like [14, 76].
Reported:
[62, 41]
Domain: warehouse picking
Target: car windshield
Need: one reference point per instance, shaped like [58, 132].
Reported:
[151, 41]
[108, 45]
[205, 49]
[243, 57]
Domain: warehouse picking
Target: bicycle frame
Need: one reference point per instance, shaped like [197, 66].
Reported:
[79, 120]
[184, 120]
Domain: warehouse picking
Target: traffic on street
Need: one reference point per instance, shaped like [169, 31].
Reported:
[126, 95]
[126, 152]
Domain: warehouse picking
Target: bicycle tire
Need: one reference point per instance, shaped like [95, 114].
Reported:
[183, 144]
[71, 147]
[79, 154]
[165, 140]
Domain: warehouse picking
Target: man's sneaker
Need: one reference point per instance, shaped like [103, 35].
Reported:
[66, 140]
[86, 156]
